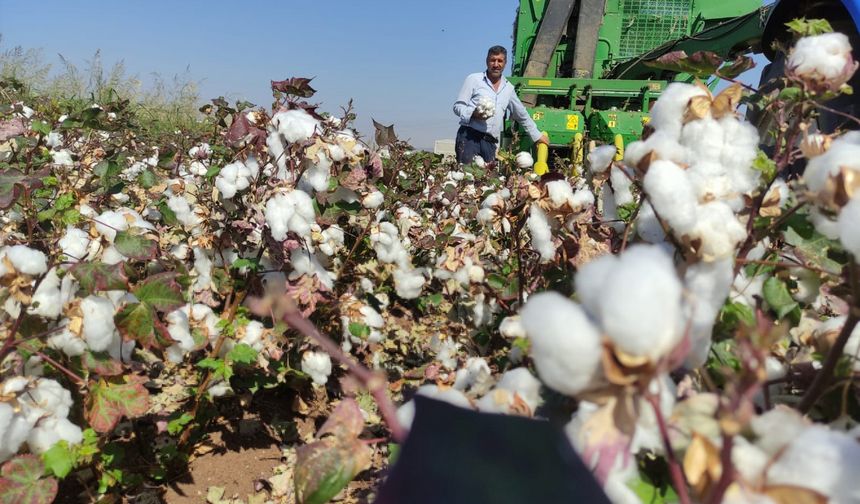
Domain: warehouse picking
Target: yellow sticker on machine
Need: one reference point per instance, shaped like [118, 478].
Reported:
[572, 122]
[539, 82]
[537, 116]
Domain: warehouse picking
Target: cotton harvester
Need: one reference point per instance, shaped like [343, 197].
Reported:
[581, 67]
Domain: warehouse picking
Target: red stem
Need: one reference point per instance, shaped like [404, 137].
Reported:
[678, 480]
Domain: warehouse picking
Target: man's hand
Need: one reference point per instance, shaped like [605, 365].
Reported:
[478, 115]
[544, 139]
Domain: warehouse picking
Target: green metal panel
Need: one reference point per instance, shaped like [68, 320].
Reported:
[647, 24]
[603, 125]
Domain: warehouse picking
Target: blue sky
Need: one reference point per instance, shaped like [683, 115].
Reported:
[401, 61]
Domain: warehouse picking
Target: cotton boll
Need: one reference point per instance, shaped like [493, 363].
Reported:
[373, 200]
[565, 345]
[317, 365]
[560, 192]
[475, 374]
[408, 282]
[639, 305]
[589, 281]
[67, 342]
[51, 430]
[184, 213]
[512, 327]
[292, 211]
[316, 176]
[707, 285]
[824, 224]
[47, 397]
[74, 244]
[14, 430]
[62, 158]
[332, 240]
[541, 234]
[27, 261]
[648, 226]
[600, 159]
[253, 335]
[53, 140]
[844, 154]
[777, 428]
[822, 61]
[621, 186]
[307, 263]
[668, 111]
[276, 146]
[47, 300]
[516, 383]
[295, 125]
[99, 330]
[524, 160]
[180, 332]
[825, 461]
[671, 195]
[704, 139]
[718, 229]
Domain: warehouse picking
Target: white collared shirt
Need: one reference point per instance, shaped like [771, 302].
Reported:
[478, 85]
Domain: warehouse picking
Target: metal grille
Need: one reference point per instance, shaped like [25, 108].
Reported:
[647, 24]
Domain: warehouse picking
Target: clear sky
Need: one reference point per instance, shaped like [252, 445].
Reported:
[401, 61]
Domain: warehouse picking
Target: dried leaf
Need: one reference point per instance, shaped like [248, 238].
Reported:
[345, 421]
[790, 494]
[108, 402]
[324, 468]
[702, 464]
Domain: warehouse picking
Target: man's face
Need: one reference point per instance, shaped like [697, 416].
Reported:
[496, 65]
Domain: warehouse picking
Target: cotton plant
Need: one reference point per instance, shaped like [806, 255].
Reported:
[237, 177]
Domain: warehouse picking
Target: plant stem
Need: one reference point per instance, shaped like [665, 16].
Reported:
[728, 471]
[813, 393]
[678, 480]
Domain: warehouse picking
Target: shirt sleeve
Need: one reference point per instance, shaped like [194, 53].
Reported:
[522, 117]
[463, 107]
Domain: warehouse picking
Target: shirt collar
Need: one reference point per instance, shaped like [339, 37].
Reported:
[487, 80]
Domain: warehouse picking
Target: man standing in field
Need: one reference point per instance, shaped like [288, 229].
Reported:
[481, 106]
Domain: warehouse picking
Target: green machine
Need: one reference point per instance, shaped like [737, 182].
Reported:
[580, 66]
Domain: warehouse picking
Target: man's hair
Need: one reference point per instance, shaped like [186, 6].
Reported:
[497, 49]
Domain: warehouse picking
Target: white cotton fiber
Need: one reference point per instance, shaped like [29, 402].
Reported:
[317, 365]
[74, 244]
[372, 200]
[26, 260]
[47, 300]
[668, 111]
[601, 158]
[295, 125]
[524, 160]
[849, 227]
[408, 282]
[707, 286]
[824, 60]
[671, 195]
[541, 233]
[565, 345]
[99, 330]
[291, 211]
[305, 262]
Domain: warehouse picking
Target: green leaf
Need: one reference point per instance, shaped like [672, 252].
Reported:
[167, 215]
[40, 127]
[359, 330]
[110, 401]
[625, 212]
[252, 264]
[135, 246]
[71, 216]
[160, 292]
[765, 165]
[95, 276]
[778, 297]
[59, 459]
[177, 425]
[213, 171]
[809, 27]
[102, 363]
[219, 367]
[21, 482]
[242, 354]
[810, 245]
[136, 322]
[324, 468]
[647, 492]
[65, 201]
[147, 179]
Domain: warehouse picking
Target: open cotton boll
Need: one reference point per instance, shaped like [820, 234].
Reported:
[408, 282]
[824, 224]
[849, 227]
[305, 262]
[704, 139]
[476, 373]
[14, 429]
[639, 303]
[514, 384]
[621, 186]
[99, 330]
[184, 213]
[565, 345]
[332, 240]
[26, 261]
[47, 300]
[253, 335]
[406, 412]
[825, 461]
[316, 175]
[777, 428]
[291, 211]
[317, 365]
[372, 200]
[560, 193]
[62, 158]
[671, 195]
[46, 398]
[203, 269]
[600, 159]
[179, 330]
[53, 140]
[511, 327]
[275, 144]
[648, 226]
[74, 244]
[844, 153]
[524, 160]
[823, 61]
[51, 430]
[668, 111]
[66, 341]
[295, 125]
[541, 234]
[718, 229]
[707, 285]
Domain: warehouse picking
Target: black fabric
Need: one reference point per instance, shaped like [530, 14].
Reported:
[471, 143]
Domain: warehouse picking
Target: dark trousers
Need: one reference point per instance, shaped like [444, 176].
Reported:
[471, 143]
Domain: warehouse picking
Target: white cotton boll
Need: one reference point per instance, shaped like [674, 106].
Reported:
[198, 168]
[719, 230]
[589, 281]
[316, 176]
[560, 192]
[671, 195]
[639, 303]
[406, 412]
[741, 144]
[822, 60]
[479, 162]
[843, 153]
[51, 430]
[446, 353]
[180, 332]
[254, 335]
[825, 461]
[524, 160]
[565, 345]
[27, 261]
[184, 213]
[317, 365]
[219, 389]
[47, 300]
[14, 429]
[109, 222]
[292, 211]
[777, 428]
[373, 200]
[307, 263]
[53, 140]
[476, 372]
[621, 186]
[295, 125]
[66, 341]
[541, 234]
[648, 226]
[99, 330]
[74, 244]
[512, 327]
[583, 198]
[517, 382]
[600, 159]
[707, 286]
[332, 240]
[47, 398]
[372, 318]
[408, 282]
[668, 111]
[849, 227]
[62, 158]
[704, 138]
[824, 224]
[749, 460]
[111, 256]
[276, 146]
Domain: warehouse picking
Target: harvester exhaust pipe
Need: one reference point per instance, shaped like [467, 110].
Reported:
[587, 27]
[549, 34]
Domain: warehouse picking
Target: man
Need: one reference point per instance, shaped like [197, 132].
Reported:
[478, 134]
